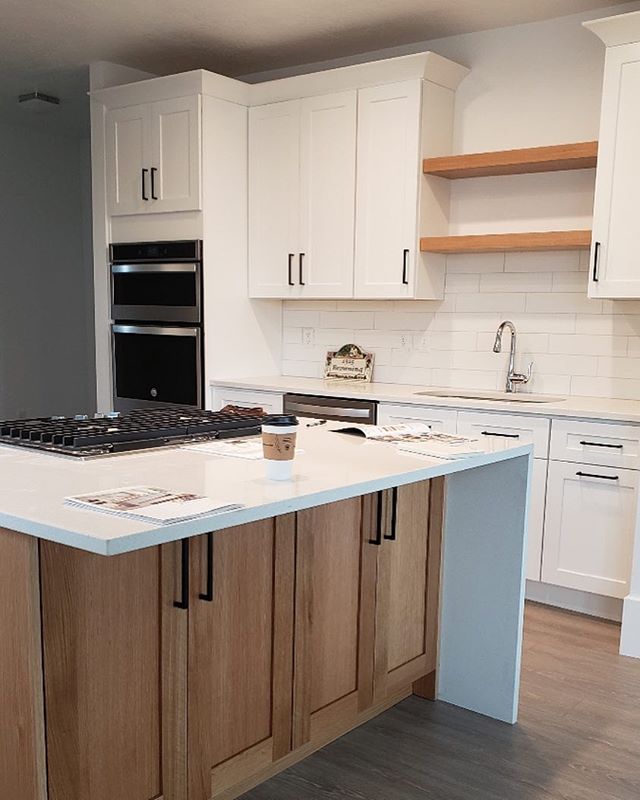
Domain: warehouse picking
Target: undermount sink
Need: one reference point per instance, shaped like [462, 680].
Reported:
[505, 397]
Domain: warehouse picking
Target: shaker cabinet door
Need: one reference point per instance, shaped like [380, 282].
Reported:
[175, 155]
[387, 189]
[408, 586]
[240, 653]
[589, 527]
[614, 270]
[112, 665]
[324, 266]
[334, 619]
[127, 155]
[274, 178]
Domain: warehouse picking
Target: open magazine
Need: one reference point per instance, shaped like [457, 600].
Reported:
[150, 504]
[418, 438]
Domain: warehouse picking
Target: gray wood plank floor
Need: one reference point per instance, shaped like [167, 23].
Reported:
[578, 737]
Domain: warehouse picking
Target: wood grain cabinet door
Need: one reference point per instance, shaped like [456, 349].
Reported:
[240, 654]
[408, 587]
[22, 751]
[112, 674]
[334, 618]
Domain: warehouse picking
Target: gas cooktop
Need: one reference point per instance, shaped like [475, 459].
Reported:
[86, 436]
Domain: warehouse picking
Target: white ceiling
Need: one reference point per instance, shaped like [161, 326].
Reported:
[240, 36]
[45, 43]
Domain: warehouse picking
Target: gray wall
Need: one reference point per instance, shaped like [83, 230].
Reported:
[46, 290]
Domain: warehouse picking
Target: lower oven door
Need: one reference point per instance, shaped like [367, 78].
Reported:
[155, 365]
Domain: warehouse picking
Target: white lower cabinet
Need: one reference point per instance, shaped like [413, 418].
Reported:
[438, 419]
[589, 528]
[535, 527]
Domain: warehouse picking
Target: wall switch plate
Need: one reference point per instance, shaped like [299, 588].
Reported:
[309, 336]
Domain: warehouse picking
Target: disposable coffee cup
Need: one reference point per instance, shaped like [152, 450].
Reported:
[279, 433]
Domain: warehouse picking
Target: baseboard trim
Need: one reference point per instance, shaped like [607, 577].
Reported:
[594, 605]
[630, 638]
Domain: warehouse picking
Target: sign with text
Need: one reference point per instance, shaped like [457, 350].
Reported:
[349, 363]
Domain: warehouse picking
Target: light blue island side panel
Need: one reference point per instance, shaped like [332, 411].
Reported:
[482, 594]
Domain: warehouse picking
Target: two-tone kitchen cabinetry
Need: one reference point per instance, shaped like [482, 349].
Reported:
[196, 669]
[336, 203]
[616, 237]
[153, 156]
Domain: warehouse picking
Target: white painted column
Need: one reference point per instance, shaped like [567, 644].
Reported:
[482, 600]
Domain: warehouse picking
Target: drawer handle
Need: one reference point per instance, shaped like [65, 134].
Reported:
[208, 593]
[504, 435]
[594, 475]
[602, 444]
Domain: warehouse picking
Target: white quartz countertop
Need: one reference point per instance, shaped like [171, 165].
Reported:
[332, 467]
[596, 408]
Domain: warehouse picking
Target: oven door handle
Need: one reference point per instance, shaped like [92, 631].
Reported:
[120, 269]
[157, 330]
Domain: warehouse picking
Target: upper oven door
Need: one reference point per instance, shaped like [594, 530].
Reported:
[160, 292]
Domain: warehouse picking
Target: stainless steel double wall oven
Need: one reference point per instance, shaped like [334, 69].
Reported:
[157, 324]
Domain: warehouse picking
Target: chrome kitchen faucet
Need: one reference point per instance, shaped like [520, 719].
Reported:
[513, 378]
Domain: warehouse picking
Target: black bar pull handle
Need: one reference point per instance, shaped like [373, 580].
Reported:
[596, 261]
[208, 593]
[504, 435]
[581, 474]
[405, 266]
[184, 570]
[378, 536]
[603, 444]
[144, 183]
[301, 256]
[153, 183]
[290, 268]
[391, 536]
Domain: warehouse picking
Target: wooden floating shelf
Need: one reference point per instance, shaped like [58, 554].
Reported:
[580, 155]
[507, 242]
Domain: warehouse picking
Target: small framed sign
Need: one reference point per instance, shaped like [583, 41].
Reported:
[349, 363]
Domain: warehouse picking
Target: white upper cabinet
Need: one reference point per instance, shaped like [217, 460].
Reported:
[175, 154]
[387, 189]
[302, 160]
[327, 195]
[614, 269]
[274, 192]
[153, 157]
[128, 177]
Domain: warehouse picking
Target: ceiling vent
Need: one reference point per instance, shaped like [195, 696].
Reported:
[38, 101]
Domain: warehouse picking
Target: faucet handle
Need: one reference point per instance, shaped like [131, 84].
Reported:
[529, 371]
[518, 377]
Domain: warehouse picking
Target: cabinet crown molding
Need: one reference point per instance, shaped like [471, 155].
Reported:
[425, 66]
[616, 30]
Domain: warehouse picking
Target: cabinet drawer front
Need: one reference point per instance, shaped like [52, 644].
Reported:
[596, 443]
[510, 427]
[589, 527]
[438, 419]
[245, 398]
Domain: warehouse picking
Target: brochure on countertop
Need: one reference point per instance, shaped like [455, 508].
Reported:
[150, 504]
[418, 438]
[237, 448]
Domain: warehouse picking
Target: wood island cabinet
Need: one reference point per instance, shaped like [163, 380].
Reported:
[194, 670]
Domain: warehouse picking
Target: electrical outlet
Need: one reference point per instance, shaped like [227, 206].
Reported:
[424, 341]
[308, 336]
[405, 341]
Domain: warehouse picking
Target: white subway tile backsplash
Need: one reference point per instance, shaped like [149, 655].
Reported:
[563, 303]
[579, 346]
[346, 319]
[555, 261]
[516, 282]
[503, 303]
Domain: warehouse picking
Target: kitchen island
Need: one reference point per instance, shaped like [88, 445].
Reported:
[194, 660]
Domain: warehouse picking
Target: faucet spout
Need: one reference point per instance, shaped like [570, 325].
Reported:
[513, 378]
